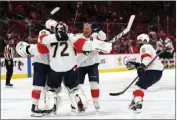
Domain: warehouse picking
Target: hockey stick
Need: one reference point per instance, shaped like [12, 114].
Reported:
[75, 18]
[122, 92]
[132, 17]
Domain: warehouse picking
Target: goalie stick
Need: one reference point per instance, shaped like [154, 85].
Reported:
[122, 92]
[132, 17]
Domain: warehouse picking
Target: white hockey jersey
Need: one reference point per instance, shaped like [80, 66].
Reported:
[62, 54]
[42, 58]
[148, 53]
[95, 59]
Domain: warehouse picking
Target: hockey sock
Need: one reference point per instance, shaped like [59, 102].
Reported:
[35, 96]
[95, 91]
[138, 93]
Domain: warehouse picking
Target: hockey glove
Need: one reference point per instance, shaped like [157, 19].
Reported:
[96, 27]
[61, 36]
[22, 49]
[141, 70]
[131, 65]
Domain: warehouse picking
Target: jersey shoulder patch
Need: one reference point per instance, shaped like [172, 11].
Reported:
[146, 48]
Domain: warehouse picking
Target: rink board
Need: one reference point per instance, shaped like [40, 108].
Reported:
[108, 63]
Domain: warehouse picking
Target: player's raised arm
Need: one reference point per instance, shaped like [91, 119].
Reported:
[98, 33]
[82, 44]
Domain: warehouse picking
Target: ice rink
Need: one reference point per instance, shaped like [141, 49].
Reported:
[159, 100]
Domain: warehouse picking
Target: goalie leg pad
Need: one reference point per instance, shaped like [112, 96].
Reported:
[77, 98]
[53, 101]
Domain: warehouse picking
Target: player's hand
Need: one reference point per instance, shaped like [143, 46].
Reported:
[131, 65]
[21, 48]
[61, 36]
[141, 70]
[96, 27]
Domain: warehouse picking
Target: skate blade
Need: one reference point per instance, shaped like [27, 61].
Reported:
[51, 114]
[8, 86]
[74, 112]
[138, 111]
[97, 110]
[37, 115]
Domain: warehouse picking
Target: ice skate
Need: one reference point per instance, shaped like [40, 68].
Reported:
[96, 105]
[136, 105]
[35, 112]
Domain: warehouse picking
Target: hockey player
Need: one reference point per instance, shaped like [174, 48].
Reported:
[167, 56]
[41, 69]
[146, 78]
[91, 33]
[60, 47]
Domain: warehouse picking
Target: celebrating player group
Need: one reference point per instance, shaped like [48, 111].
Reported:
[57, 59]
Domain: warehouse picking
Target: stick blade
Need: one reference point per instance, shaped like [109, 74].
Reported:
[54, 10]
[116, 94]
[55, 14]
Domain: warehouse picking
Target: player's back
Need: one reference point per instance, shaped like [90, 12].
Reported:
[42, 58]
[61, 53]
[147, 53]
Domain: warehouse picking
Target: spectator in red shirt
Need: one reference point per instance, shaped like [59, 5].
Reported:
[133, 48]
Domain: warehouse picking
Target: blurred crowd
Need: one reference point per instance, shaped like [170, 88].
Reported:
[23, 20]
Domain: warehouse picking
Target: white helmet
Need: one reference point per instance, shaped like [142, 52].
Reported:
[55, 27]
[51, 24]
[143, 37]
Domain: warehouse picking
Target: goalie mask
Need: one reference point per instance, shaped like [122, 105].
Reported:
[53, 26]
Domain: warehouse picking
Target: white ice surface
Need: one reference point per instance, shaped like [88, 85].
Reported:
[159, 100]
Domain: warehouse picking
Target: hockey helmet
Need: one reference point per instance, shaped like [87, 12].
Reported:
[143, 37]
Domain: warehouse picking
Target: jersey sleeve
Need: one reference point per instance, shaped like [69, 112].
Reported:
[77, 42]
[42, 33]
[146, 54]
[99, 36]
[38, 49]
[80, 44]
